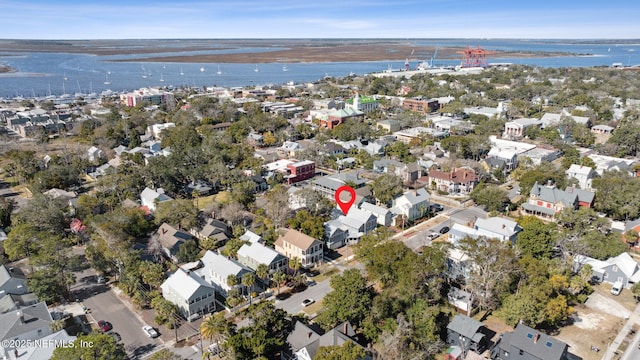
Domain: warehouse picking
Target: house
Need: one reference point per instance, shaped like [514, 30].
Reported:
[150, 198]
[365, 104]
[251, 237]
[525, 343]
[95, 154]
[327, 185]
[621, 268]
[420, 104]
[602, 129]
[216, 269]
[294, 244]
[189, 292]
[583, 174]
[610, 163]
[213, 229]
[300, 171]
[14, 292]
[255, 139]
[349, 228]
[253, 254]
[304, 341]
[499, 228]
[339, 116]
[156, 130]
[389, 126]
[546, 201]
[413, 204]
[456, 181]
[27, 323]
[507, 151]
[467, 334]
[382, 214]
[518, 127]
[407, 172]
[198, 188]
[171, 239]
[35, 351]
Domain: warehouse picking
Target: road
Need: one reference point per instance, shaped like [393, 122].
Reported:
[104, 304]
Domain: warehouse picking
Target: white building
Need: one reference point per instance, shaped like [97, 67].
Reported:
[216, 269]
[189, 292]
[584, 175]
[413, 204]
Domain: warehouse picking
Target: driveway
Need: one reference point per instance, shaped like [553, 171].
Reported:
[606, 305]
[293, 304]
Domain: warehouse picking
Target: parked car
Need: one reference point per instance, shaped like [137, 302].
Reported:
[116, 336]
[151, 332]
[616, 289]
[444, 230]
[105, 325]
[307, 302]
[101, 280]
[437, 207]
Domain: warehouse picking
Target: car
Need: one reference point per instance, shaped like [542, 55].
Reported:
[437, 207]
[116, 336]
[433, 236]
[100, 280]
[307, 302]
[105, 326]
[444, 230]
[616, 289]
[151, 332]
[509, 187]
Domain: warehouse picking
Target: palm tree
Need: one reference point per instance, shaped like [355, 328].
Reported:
[249, 280]
[295, 265]
[262, 271]
[278, 278]
[57, 325]
[232, 281]
[216, 327]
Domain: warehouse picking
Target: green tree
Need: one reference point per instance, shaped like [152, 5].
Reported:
[182, 213]
[385, 187]
[164, 354]
[537, 238]
[216, 327]
[7, 206]
[262, 272]
[248, 280]
[188, 251]
[490, 196]
[350, 300]
[307, 223]
[346, 351]
[279, 277]
[277, 206]
[266, 337]
[104, 347]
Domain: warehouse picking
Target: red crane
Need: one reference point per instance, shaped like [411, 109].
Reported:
[474, 57]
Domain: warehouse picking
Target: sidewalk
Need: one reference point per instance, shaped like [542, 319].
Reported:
[611, 350]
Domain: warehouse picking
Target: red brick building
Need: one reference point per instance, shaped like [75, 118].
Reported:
[301, 170]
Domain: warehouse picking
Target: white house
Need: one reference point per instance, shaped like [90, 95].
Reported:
[216, 269]
[383, 215]
[621, 268]
[150, 198]
[584, 175]
[349, 228]
[253, 254]
[494, 227]
[189, 292]
[413, 204]
[95, 154]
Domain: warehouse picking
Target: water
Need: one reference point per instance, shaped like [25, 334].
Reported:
[42, 74]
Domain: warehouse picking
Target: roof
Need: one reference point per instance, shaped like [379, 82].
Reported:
[541, 209]
[46, 352]
[498, 225]
[465, 326]
[34, 317]
[297, 239]
[455, 175]
[258, 252]
[170, 236]
[184, 283]
[533, 342]
[415, 197]
[214, 263]
[253, 237]
[579, 170]
[374, 209]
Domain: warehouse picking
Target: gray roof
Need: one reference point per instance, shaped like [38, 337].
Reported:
[374, 209]
[34, 317]
[568, 197]
[465, 326]
[11, 284]
[533, 342]
[214, 263]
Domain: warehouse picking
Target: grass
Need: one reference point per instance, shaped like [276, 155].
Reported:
[203, 202]
[327, 274]
[222, 197]
[313, 308]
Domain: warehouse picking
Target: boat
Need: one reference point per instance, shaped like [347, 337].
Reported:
[161, 78]
[106, 79]
[256, 69]
[219, 72]
[65, 77]
[202, 69]
[181, 72]
[284, 67]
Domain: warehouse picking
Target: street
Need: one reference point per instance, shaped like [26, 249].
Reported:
[293, 304]
[104, 304]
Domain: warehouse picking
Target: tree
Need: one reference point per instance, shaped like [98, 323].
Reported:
[266, 337]
[537, 238]
[262, 272]
[346, 351]
[307, 223]
[164, 354]
[490, 196]
[277, 206]
[248, 280]
[182, 213]
[542, 174]
[295, 264]
[104, 347]
[188, 251]
[385, 187]
[22, 241]
[216, 327]
[279, 277]
[350, 300]
[7, 206]
[494, 263]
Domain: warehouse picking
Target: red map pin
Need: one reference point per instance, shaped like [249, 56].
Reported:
[345, 205]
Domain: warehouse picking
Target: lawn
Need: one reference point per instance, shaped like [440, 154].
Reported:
[325, 274]
[313, 308]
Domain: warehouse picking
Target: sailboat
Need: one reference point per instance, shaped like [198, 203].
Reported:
[161, 78]
[144, 72]
[219, 72]
[181, 72]
[65, 77]
[256, 69]
[284, 67]
[106, 79]
[202, 69]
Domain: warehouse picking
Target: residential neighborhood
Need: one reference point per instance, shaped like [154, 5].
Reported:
[203, 222]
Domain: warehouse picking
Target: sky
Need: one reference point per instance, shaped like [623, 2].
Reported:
[234, 19]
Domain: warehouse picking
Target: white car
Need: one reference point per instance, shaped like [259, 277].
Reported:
[307, 302]
[151, 332]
